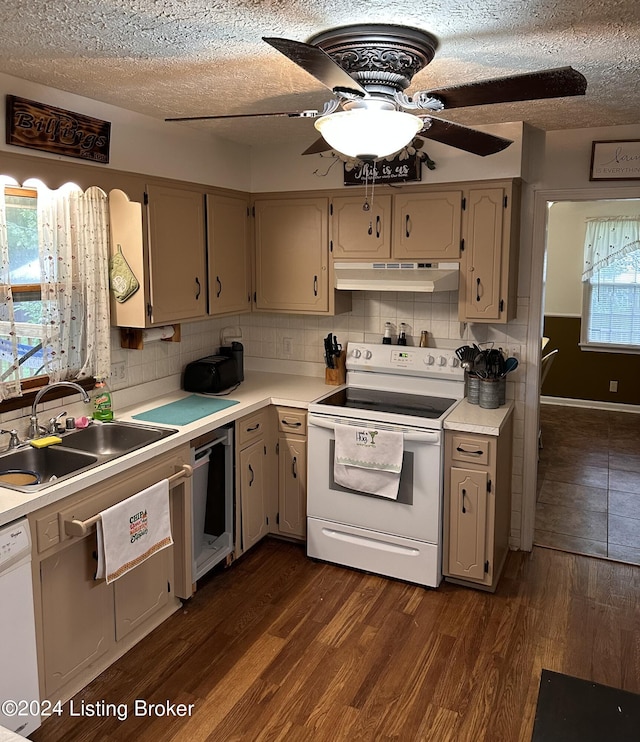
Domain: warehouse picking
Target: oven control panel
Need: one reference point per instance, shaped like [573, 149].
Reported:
[440, 362]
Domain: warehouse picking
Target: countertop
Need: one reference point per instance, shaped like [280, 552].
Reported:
[471, 418]
[258, 390]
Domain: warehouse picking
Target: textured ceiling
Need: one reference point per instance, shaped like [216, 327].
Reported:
[169, 58]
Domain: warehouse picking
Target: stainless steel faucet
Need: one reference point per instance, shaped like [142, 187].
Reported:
[35, 429]
[14, 440]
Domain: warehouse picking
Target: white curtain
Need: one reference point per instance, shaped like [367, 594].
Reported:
[606, 240]
[73, 235]
[9, 367]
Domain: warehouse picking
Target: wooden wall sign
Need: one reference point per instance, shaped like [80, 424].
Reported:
[384, 171]
[50, 129]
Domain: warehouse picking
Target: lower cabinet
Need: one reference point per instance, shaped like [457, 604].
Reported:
[292, 472]
[477, 506]
[252, 479]
[82, 624]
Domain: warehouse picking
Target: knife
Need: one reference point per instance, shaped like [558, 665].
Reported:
[328, 351]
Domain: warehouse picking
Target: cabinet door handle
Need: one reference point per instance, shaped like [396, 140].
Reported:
[471, 453]
[406, 225]
[315, 285]
[253, 476]
[219, 282]
[464, 492]
[294, 467]
[477, 289]
[199, 287]
[255, 427]
[296, 424]
[378, 226]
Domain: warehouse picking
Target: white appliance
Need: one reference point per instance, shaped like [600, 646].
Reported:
[18, 660]
[389, 387]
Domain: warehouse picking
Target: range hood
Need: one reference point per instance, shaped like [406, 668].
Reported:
[396, 276]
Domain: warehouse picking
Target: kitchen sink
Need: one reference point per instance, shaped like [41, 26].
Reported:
[49, 464]
[79, 450]
[114, 438]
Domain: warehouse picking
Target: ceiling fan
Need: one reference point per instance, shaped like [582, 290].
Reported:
[367, 67]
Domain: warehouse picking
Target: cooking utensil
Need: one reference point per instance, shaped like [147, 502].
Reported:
[510, 364]
[19, 477]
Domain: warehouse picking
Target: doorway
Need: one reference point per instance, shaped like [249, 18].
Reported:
[588, 478]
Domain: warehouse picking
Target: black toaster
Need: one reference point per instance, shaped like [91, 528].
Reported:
[211, 375]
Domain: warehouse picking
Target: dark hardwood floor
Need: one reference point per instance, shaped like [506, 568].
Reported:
[279, 647]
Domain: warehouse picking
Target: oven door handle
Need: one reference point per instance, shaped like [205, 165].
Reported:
[425, 437]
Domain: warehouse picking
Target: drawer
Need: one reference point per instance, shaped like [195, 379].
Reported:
[292, 420]
[251, 427]
[475, 448]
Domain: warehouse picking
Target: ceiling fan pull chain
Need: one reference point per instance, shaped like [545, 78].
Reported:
[365, 205]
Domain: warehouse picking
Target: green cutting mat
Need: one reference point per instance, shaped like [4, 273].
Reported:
[185, 411]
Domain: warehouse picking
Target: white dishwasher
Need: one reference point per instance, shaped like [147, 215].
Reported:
[19, 694]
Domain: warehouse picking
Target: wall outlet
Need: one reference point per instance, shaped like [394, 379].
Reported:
[613, 386]
[287, 346]
[119, 371]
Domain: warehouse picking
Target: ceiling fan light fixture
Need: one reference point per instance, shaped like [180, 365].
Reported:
[367, 134]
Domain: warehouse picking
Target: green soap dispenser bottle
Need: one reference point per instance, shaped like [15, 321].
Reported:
[102, 401]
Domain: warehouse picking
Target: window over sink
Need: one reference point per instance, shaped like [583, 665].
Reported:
[54, 285]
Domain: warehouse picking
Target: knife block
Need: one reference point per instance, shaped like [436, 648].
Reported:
[338, 375]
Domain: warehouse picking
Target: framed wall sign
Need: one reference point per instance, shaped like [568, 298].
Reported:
[615, 160]
[50, 129]
[384, 171]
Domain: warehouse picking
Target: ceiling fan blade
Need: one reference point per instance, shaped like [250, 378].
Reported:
[319, 64]
[289, 114]
[462, 137]
[555, 83]
[317, 147]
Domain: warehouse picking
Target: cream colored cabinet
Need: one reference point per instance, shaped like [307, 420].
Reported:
[292, 472]
[229, 257]
[82, 624]
[253, 479]
[489, 264]
[169, 263]
[426, 225]
[477, 508]
[177, 273]
[293, 272]
[358, 231]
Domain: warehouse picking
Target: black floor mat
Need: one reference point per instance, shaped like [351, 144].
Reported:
[573, 710]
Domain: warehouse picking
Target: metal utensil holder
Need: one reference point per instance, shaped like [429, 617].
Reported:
[472, 388]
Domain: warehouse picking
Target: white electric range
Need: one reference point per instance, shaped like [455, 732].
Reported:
[389, 387]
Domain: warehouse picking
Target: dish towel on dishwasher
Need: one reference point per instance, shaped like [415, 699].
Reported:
[368, 460]
[133, 530]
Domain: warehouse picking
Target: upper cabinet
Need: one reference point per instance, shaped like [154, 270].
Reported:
[293, 272]
[427, 225]
[413, 226]
[170, 264]
[360, 229]
[177, 259]
[489, 264]
[228, 245]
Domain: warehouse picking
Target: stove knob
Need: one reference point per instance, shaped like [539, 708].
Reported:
[356, 353]
[453, 362]
[429, 360]
[442, 361]
[368, 354]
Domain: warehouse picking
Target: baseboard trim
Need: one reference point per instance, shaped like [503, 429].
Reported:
[592, 404]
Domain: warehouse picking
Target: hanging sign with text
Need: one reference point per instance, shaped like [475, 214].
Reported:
[50, 129]
[384, 171]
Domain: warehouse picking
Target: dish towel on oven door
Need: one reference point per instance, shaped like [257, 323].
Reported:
[132, 531]
[368, 460]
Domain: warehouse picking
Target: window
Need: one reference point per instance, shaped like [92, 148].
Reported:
[611, 281]
[54, 285]
[24, 277]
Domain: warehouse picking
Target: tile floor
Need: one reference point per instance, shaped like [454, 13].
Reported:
[589, 482]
